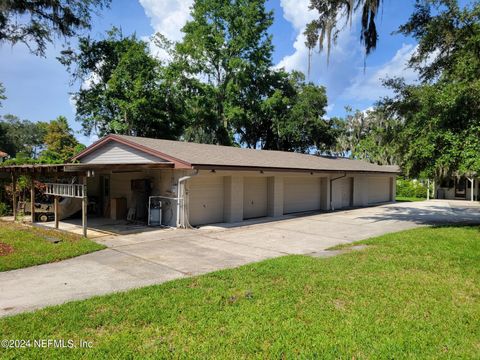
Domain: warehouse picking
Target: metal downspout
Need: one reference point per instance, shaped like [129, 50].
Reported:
[181, 198]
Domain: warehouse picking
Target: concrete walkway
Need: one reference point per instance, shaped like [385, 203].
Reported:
[158, 256]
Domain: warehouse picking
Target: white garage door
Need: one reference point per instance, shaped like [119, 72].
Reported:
[342, 193]
[378, 189]
[206, 200]
[301, 194]
[255, 197]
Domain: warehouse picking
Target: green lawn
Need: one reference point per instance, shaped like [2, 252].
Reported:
[22, 246]
[413, 294]
[408, 199]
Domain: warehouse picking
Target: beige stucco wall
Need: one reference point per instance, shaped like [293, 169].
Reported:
[233, 206]
[164, 183]
[275, 196]
[360, 190]
[233, 202]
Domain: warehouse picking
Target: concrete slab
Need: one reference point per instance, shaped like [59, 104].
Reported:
[197, 254]
[280, 240]
[97, 273]
[157, 256]
[153, 235]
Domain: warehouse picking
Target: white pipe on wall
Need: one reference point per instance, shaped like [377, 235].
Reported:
[181, 197]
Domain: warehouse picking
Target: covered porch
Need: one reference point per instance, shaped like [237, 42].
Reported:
[90, 199]
[459, 188]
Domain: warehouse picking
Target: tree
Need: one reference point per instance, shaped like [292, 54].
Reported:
[36, 23]
[369, 135]
[352, 129]
[123, 89]
[60, 143]
[334, 15]
[440, 135]
[21, 138]
[224, 57]
[2, 94]
[297, 111]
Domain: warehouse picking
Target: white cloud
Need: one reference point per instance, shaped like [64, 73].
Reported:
[86, 140]
[168, 16]
[346, 79]
[345, 56]
[368, 86]
[294, 11]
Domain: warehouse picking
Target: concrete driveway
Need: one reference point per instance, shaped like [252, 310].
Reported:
[158, 256]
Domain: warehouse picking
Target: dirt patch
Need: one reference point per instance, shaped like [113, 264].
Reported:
[5, 249]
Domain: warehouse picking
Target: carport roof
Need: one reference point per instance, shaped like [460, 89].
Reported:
[192, 155]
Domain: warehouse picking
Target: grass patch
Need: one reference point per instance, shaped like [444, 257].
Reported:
[408, 199]
[413, 294]
[22, 246]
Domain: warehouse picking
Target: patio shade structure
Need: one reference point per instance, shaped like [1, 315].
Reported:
[62, 189]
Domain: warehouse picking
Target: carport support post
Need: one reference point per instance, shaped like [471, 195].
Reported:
[428, 189]
[55, 209]
[32, 198]
[84, 207]
[14, 196]
[55, 205]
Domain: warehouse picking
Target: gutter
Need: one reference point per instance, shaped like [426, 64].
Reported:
[331, 192]
[279, 169]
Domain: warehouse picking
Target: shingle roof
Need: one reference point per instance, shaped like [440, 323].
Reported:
[216, 155]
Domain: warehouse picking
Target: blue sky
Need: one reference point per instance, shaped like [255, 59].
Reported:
[38, 88]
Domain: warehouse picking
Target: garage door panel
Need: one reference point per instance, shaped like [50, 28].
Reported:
[301, 194]
[342, 193]
[206, 199]
[255, 197]
[379, 189]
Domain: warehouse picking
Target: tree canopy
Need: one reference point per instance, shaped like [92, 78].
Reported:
[368, 135]
[441, 116]
[59, 142]
[431, 128]
[2, 94]
[233, 93]
[334, 15]
[21, 138]
[37, 23]
[219, 85]
[123, 89]
[43, 142]
[227, 58]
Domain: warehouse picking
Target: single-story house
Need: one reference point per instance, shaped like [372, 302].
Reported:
[182, 184]
[200, 184]
[458, 188]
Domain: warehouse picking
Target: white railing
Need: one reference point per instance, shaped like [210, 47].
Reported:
[66, 190]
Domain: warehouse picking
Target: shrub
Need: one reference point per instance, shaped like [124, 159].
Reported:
[4, 209]
[411, 188]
